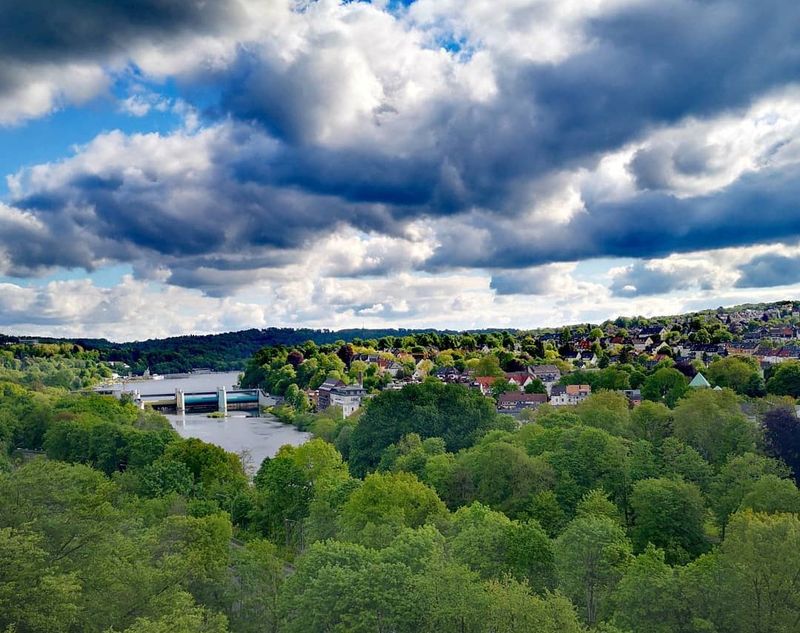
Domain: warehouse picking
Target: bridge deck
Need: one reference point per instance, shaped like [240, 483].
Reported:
[202, 398]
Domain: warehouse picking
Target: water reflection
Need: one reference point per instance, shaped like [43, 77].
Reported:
[256, 437]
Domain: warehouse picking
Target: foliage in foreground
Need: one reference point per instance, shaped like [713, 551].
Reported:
[655, 520]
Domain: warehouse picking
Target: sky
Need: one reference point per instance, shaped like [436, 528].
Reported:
[185, 166]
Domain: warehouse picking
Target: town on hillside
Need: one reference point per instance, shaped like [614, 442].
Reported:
[640, 358]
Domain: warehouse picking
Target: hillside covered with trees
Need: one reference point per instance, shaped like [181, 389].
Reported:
[426, 511]
[707, 332]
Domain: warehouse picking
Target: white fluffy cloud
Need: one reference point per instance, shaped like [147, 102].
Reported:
[35, 92]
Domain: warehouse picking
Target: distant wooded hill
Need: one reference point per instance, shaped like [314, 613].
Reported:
[228, 351]
[231, 350]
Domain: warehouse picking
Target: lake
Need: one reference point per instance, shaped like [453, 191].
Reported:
[256, 436]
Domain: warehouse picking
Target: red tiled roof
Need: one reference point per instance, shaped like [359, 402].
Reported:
[485, 381]
[518, 376]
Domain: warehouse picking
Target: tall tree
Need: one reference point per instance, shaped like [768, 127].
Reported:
[713, 423]
[590, 556]
[738, 373]
[666, 385]
[647, 598]
[782, 437]
[785, 380]
[431, 409]
[385, 504]
[669, 514]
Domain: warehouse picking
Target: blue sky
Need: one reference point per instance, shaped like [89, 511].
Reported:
[209, 166]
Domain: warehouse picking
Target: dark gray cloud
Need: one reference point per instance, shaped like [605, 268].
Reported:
[649, 65]
[271, 187]
[653, 167]
[44, 31]
[197, 222]
[53, 53]
[639, 279]
[522, 282]
[769, 270]
[758, 208]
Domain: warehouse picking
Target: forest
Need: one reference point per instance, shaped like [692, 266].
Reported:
[219, 352]
[426, 511]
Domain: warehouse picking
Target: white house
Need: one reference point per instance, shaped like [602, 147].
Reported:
[348, 397]
[564, 395]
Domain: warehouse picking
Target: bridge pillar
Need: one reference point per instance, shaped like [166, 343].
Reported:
[222, 399]
[180, 401]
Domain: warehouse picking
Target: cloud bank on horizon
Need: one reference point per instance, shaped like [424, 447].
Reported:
[428, 163]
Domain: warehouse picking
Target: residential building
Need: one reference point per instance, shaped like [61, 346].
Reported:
[515, 401]
[324, 393]
[548, 374]
[484, 383]
[564, 395]
[634, 397]
[519, 378]
[653, 330]
[448, 374]
[348, 397]
[393, 368]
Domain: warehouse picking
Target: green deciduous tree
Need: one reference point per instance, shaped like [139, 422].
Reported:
[499, 474]
[545, 510]
[712, 422]
[751, 585]
[651, 421]
[511, 607]
[35, 597]
[682, 461]
[256, 575]
[647, 598]
[385, 504]
[346, 587]
[738, 373]
[284, 493]
[456, 414]
[181, 615]
[666, 385]
[590, 556]
[669, 514]
[772, 494]
[735, 480]
[785, 380]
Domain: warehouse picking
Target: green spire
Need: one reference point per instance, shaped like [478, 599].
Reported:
[700, 382]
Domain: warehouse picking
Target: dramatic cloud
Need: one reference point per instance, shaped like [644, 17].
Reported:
[37, 30]
[769, 270]
[543, 280]
[66, 51]
[662, 277]
[366, 142]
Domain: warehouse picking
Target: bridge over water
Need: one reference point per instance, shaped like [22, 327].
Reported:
[220, 400]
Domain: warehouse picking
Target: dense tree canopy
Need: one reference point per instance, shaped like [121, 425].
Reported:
[674, 516]
[431, 409]
[785, 380]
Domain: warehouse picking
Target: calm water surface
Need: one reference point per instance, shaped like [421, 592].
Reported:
[196, 382]
[255, 436]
